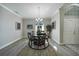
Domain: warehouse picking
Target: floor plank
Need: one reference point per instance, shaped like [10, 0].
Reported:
[27, 51]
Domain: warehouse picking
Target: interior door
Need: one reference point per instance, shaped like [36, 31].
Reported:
[76, 31]
[69, 26]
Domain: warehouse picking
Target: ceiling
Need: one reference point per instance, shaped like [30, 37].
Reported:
[30, 10]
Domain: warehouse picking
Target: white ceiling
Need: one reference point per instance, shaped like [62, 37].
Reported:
[30, 10]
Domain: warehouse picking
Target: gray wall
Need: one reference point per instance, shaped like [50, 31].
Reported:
[8, 33]
[32, 21]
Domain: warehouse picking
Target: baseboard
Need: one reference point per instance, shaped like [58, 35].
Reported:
[24, 38]
[54, 47]
[9, 43]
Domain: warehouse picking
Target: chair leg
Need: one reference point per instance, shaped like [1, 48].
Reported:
[31, 43]
[44, 43]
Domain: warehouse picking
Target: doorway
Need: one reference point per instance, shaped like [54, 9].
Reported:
[71, 25]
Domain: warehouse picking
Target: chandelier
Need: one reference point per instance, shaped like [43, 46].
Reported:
[39, 18]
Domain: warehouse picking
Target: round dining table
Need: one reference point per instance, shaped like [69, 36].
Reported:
[39, 41]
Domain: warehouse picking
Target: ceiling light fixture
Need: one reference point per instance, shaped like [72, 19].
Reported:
[39, 18]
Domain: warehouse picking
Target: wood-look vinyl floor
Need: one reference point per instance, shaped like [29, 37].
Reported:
[21, 48]
[27, 51]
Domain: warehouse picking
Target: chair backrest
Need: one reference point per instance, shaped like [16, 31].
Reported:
[29, 34]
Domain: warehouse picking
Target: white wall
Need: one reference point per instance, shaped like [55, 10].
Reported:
[32, 21]
[8, 33]
[25, 23]
[55, 34]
